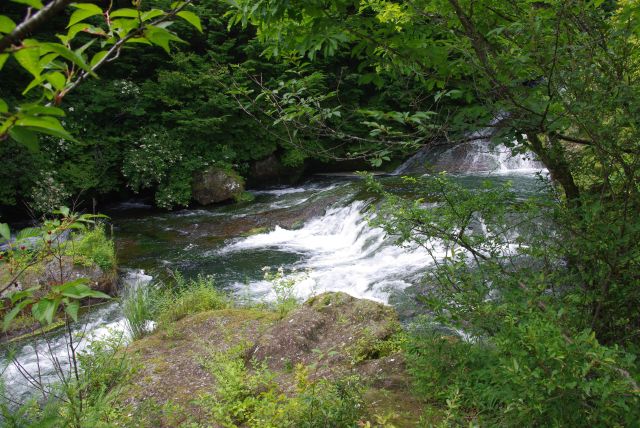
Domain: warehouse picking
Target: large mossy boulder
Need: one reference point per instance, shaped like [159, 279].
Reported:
[215, 185]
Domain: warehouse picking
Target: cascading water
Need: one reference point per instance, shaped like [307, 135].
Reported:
[473, 157]
[341, 253]
[320, 227]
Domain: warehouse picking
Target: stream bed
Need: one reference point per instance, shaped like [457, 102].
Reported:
[319, 227]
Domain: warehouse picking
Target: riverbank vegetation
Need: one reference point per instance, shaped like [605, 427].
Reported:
[529, 311]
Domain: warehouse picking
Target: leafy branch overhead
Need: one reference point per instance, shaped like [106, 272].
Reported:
[93, 37]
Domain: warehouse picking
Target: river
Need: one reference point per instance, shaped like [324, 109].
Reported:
[319, 227]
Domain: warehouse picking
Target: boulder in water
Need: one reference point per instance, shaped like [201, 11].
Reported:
[216, 185]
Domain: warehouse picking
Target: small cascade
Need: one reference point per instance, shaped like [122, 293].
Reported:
[477, 156]
[342, 253]
[40, 357]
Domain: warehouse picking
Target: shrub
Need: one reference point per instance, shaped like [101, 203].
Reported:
[186, 297]
[251, 397]
[94, 247]
[530, 373]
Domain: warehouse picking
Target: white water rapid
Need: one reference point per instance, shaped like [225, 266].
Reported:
[341, 252]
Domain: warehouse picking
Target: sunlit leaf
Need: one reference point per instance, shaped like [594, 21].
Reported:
[6, 24]
[88, 10]
[29, 57]
[37, 4]
[191, 18]
[5, 232]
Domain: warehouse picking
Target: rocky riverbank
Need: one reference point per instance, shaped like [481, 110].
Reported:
[329, 338]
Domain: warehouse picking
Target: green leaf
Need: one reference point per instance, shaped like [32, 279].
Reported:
[44, 310]
[97, 58]
[13, 312]
[5, 232]
[3, 58]
[28, 232]
[161, 37]
[57, 79]
[66, 53]
[86, 11]
[29, 58]
[6, 24]
[124, 13]
[191, 18]
[72, 308]
[37, 4]
[45, 125]
[153, 13]
[4, 107]
[26, 137]
[36, 109]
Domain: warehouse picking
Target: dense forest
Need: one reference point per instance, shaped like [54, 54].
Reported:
[481, 267]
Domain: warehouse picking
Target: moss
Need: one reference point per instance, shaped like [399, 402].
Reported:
[255, 231]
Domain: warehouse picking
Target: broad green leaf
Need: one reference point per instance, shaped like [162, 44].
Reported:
[191, 18]
[153, 13]
[82, 14]
[72, 308]
[21, 295]
[66, 53]
[26, 137]
[75, 29]
[28, 232]
[33, 84]
[36, 109]
[44, 310]
[6, 24]
[29, 58]
[45, 125]
[5, 232]
[3, 58]
[37, 4]
[13, 312]
[65, 211]
[161, 37]
[4, 107]
[98, 295]
[89, 7]
[124, 13]
[97, 58]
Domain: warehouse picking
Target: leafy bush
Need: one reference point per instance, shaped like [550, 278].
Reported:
[94, 247]
[186, 297]
[528, 374]
[251, 397]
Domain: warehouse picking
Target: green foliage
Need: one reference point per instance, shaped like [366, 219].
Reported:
[32, 246]
[284, 288]
[93, 247]
[58, 67]
[250, 396]
[528, 373]
[137, 302]
[185, 297]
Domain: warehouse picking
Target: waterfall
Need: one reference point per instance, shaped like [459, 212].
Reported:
[477, 156]
[341, 252]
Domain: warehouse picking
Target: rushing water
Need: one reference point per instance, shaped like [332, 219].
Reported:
[319, 227]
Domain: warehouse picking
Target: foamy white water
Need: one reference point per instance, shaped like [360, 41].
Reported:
[46, 352]
[342, 253]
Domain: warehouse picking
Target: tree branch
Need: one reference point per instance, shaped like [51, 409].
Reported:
[32, 22]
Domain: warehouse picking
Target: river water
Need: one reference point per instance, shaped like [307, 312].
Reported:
[319, 228]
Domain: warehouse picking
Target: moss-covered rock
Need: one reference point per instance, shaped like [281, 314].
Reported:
[216, 185]
[333, 335]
